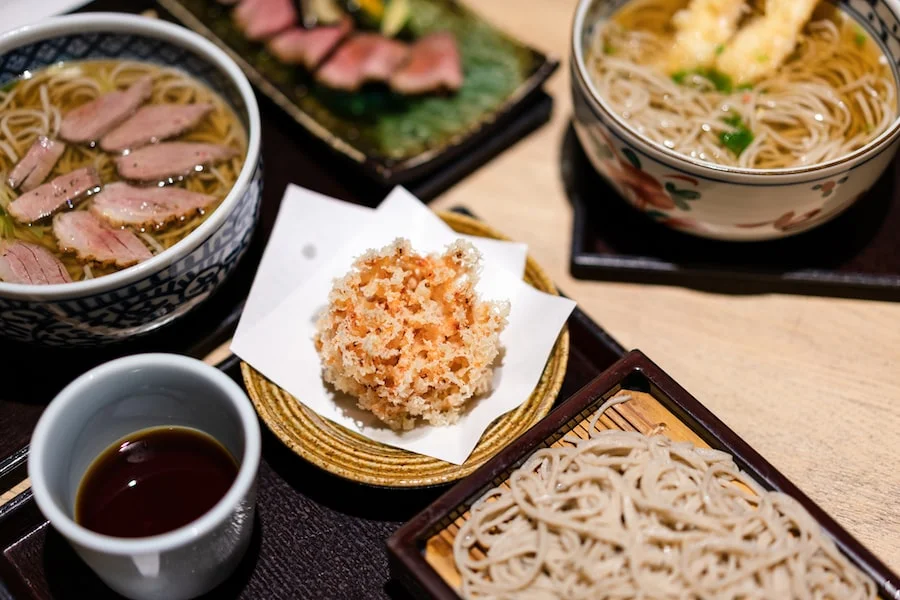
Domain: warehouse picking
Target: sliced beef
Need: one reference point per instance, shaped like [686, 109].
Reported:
[434, 64]
[91, 239]
[308, 47]
[153, 123]
[364, 57]
[261, 19]
[89, 122]
[169, 160]
[37, 163]
[21, 262]
[44, 200]
[153, 207]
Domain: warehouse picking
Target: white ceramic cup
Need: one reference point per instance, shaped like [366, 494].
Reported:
[124, 396]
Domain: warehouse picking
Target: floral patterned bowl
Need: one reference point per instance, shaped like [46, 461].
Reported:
[716, 201]
[161, 289]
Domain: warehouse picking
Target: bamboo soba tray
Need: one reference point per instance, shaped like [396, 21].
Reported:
[421, 552]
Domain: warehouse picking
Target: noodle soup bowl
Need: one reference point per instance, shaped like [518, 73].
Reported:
[173, 282]
[715, 201]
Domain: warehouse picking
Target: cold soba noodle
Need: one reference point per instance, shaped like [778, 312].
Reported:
[834, 93]
[35, 106]
[621, 515]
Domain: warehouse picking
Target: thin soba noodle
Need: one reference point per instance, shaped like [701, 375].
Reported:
[833, 95]
[34, 106]
[621, 515]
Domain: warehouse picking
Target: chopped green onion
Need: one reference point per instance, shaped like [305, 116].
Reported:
[762, 58]
[744, 87]
[740, 138]
[608, 50]
[720, 49]
[718, 79]
[860, 38]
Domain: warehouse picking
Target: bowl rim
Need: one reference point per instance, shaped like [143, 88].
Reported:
[584, 81]
[118, 23]
[41, 448]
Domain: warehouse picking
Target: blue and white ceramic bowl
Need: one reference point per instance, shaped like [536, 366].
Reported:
[718, 201]
[169, 285]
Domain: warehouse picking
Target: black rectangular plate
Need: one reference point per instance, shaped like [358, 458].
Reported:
[857, 255]
[636, 372]
[342, 130]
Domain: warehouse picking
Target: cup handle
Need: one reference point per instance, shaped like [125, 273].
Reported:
[147, 564]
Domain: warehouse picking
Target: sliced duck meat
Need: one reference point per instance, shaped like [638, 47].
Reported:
[261, 19]
[21, 262]
[169, 160]
[123, 204]
[364, 57]
[434, 64]
[89, 122]
[91, 239]
[44, 200]
[309, 47]
[37, 163]
[153, 123]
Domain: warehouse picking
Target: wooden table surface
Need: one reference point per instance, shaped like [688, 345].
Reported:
[813, 384]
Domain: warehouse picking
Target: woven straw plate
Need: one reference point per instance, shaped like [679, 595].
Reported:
[352, 456]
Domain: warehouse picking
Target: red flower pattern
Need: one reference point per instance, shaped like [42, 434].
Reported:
[642, 189]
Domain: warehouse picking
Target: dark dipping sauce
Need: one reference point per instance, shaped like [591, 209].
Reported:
[153, 481]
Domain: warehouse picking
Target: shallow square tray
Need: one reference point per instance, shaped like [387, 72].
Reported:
[421, 552]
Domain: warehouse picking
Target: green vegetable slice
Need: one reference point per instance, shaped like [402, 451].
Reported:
[721, 81]
[740, 138]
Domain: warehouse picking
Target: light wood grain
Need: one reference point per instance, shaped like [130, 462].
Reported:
[813, 384]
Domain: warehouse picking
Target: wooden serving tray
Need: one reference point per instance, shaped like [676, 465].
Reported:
[421, 552]
[857, 255]
[316, 535]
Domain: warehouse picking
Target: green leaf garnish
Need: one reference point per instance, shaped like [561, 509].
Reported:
[740, 138]
[721, 81]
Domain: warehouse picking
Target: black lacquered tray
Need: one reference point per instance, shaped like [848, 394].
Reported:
[316, 536]
[290, 155]
[857, 255]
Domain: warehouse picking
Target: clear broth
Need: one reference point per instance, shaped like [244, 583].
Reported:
[34, 105]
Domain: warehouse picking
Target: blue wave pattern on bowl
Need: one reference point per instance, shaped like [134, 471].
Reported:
[160, 297]
[118, 46]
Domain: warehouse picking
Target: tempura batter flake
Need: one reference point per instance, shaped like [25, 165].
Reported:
[408, 336]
